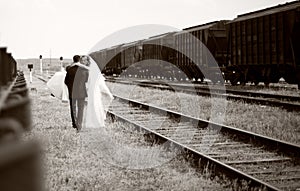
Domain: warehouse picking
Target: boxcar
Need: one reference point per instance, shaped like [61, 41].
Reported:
[130, 55]
[100, 58]
[113, 60]
[158, 56]
[109, 60]
[264, 45]
[8, 67]
[213, 39]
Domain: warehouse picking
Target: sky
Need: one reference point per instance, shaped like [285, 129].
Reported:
[55, 28]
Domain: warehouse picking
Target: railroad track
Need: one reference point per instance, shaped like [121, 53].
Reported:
[290, 103]
[262, 162]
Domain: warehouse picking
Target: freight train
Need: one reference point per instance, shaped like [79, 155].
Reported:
[260, 46]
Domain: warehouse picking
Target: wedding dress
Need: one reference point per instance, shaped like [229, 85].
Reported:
[98, 99]
[57, 85]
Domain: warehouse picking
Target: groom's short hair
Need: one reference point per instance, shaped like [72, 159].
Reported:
[76, 58]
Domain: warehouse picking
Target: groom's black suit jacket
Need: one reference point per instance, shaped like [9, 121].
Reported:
[75, 80]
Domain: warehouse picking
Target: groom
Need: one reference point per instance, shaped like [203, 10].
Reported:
[76, 77]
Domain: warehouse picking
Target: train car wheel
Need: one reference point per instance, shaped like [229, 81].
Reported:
[233, 82]
[267, 83]
[256, 82]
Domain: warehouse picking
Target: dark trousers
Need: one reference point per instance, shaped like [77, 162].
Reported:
[77, 107]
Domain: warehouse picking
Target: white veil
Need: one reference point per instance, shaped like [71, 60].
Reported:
[98, 99]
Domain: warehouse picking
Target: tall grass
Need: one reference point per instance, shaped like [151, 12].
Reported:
[85, 160]
[265, 120]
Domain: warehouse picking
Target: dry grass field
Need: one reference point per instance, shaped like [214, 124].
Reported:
[265, 120]
[85, 160]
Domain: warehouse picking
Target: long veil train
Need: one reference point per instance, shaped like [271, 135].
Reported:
[98, 99]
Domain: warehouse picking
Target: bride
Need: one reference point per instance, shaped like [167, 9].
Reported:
[99, 96]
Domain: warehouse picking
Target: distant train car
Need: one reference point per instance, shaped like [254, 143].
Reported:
[130, 54]
[260, 46]
[113, 64]
[213, 39]
[159, 50]
[109, 60]
[8, 66]
[100, 58]
[265, 45]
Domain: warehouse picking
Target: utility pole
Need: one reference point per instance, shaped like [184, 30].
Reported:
[50, 57]
[61, 63]
[49, 63]
[41, 65]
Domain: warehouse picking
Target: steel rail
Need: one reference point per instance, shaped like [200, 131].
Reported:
[289, 149]
[270, 100]
[205, 161]
[218, 167]
[227, 91]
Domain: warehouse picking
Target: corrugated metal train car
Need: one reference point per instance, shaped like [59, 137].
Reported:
[260, 46]
[264, 45]
[209, 49]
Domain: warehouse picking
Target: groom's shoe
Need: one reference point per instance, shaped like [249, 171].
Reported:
[74, 126]
[78, 129]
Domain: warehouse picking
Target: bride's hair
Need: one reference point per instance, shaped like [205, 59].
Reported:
[87, 58]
